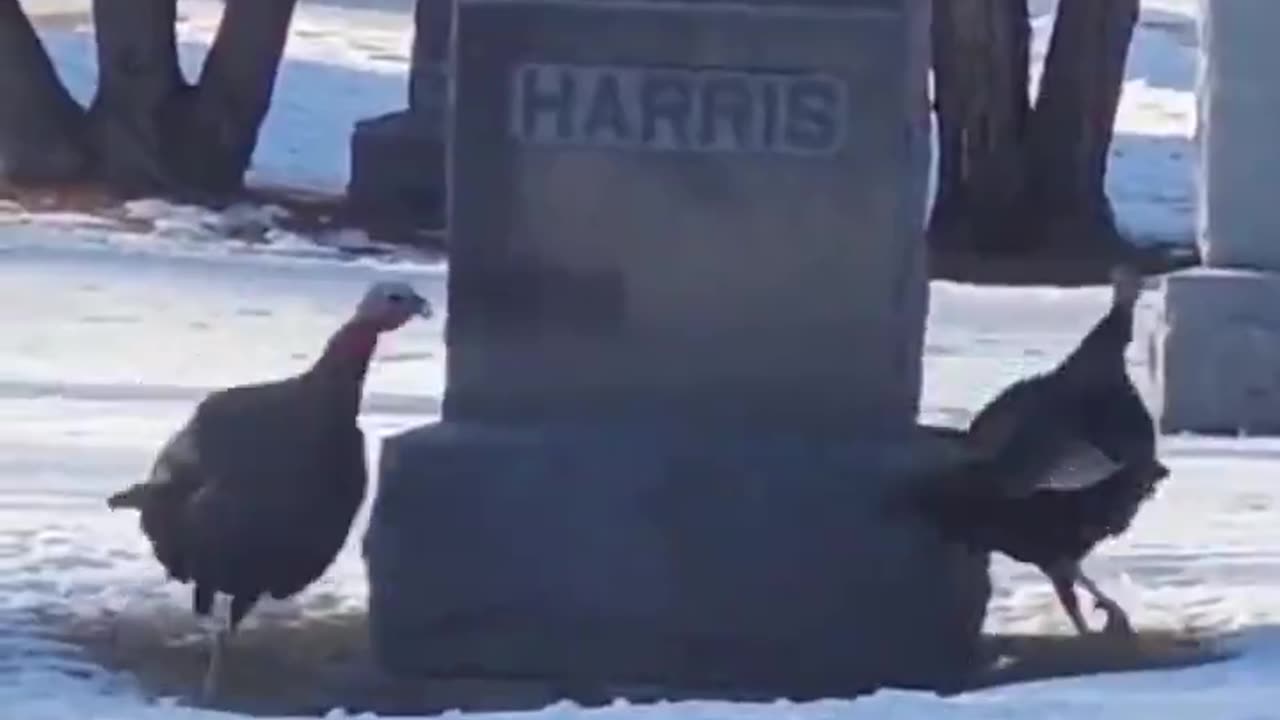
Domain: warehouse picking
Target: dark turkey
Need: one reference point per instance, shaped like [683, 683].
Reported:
[256, 494]
[1065, 460]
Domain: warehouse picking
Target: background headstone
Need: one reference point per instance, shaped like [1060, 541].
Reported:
[1238, 103]
[398, 158]
[1213, 338]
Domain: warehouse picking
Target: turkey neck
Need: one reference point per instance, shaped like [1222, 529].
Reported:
[1100, 354]
[345, 362]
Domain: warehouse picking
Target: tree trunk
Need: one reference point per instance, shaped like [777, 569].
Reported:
[1013, 180]
[134, 117]
[235, 89]
[41, 125]
[1070, 133]
[981, 55]
[148, 130]
[159, 134]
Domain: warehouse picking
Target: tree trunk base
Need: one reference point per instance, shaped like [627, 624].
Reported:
[1053, 267]
[1068, 250]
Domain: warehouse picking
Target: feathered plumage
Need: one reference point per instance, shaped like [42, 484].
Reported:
[256, 493]
[1063, 461]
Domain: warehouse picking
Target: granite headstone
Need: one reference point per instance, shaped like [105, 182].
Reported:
[687, 298]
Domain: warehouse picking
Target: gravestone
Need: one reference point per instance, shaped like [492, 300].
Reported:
[1214, 333]
[687, 298]
[398, 158]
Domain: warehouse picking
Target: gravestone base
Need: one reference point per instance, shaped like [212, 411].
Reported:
[1214, 352]
[612, 559]
[398, 169]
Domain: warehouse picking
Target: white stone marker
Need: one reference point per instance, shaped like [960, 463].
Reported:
[1214, 344]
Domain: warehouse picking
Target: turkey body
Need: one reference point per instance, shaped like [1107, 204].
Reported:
[1070, 457]
[256, 494]
[1047, 525]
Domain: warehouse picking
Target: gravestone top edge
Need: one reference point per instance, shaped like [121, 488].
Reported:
[882, 9]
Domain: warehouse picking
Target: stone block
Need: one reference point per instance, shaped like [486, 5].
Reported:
[398, 169]
[1213, 349]
[1238, 103]
[600, 558]
[693, 212]
[687, 295]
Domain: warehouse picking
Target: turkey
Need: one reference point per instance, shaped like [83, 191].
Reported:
[1063, 461]
[256, 494]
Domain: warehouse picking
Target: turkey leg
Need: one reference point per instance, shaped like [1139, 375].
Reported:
[1117, 620]
[226, 628]
[213, 676]
[1063, 578]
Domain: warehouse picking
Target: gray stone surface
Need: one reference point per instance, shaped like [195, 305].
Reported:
[397, 170]
[686, 307]
[721, 225]
[1239, 104]
[599, 558]
[1213, 349]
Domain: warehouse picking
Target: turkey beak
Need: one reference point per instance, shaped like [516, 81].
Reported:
[424, 307]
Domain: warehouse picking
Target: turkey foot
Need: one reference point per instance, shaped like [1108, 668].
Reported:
[1117, 624]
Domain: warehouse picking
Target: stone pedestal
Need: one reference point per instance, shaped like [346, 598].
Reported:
[597, 559]
[687, 297]
[1213, 342]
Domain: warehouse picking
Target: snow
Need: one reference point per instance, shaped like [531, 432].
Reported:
[111, 335]
[106, 348]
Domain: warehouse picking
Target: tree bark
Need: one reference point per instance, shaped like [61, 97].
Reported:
[41, 125]
[133, 114]
[235, 89]
[147, 130]
[1071, 130]
[159, 134]
[1014, 179]
[981, 54]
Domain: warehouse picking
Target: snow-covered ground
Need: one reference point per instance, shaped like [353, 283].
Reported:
[108, 344]
[110, 338]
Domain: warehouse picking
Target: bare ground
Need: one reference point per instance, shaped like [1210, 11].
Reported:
[309, 665]
[309, 213]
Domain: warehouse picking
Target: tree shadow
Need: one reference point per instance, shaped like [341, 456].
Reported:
[1030, 658]
[297, 664]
